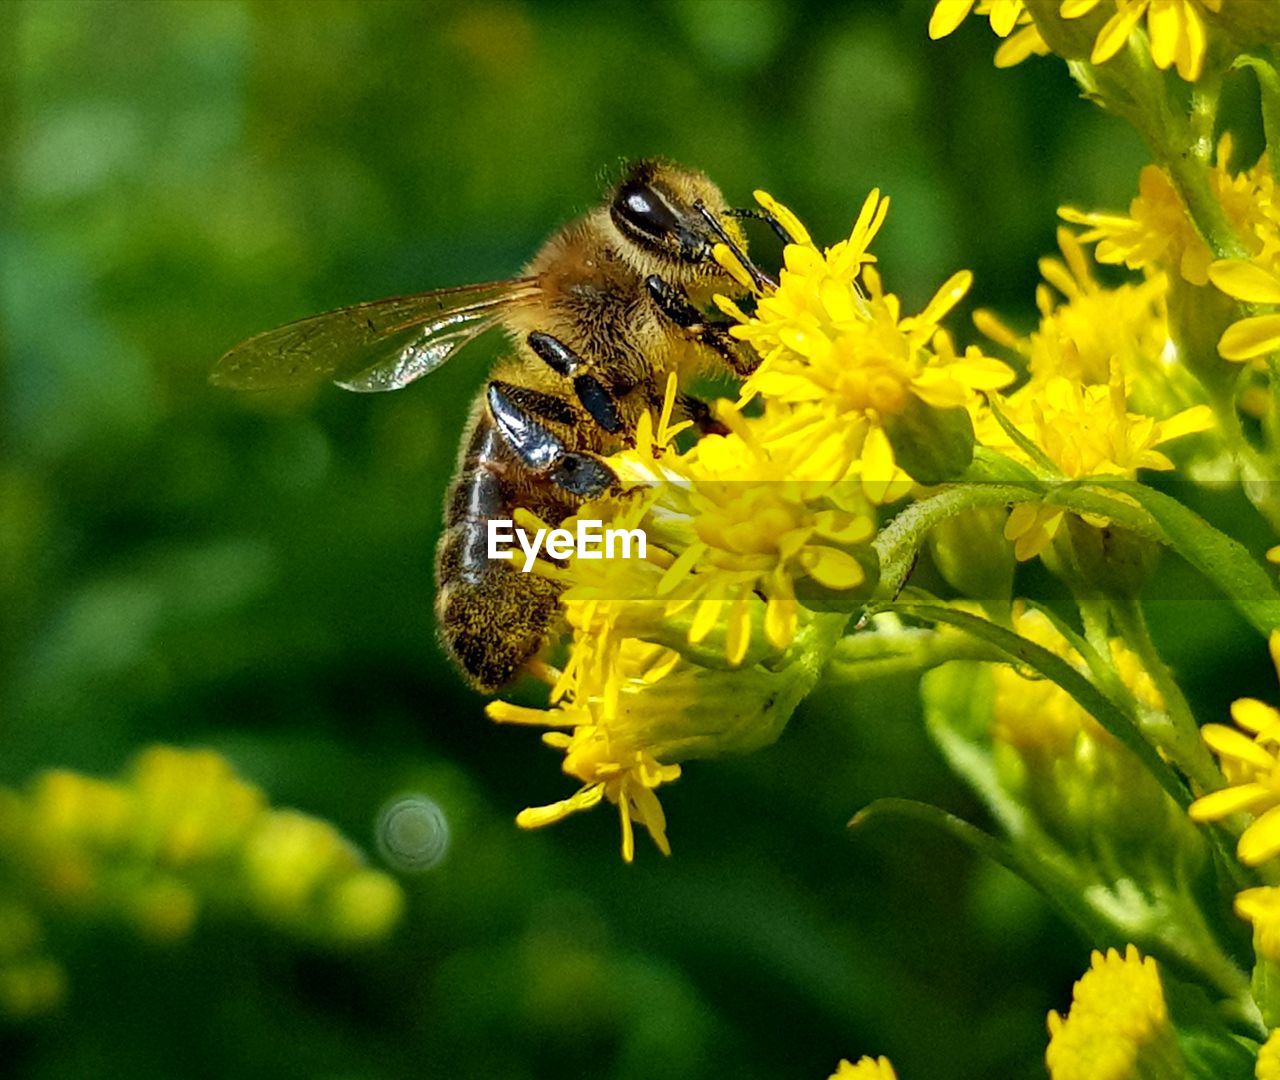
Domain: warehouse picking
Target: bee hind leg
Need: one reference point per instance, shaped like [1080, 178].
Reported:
[700, 413]
[538, 448]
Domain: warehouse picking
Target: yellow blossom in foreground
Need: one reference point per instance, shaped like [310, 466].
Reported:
[838, 349]
[1175, 28]
[1081, 431]
[1008, 18]
[727, 524]
[865, 1069]
[1268, 1066]
[1252, 770]
[1118, 1027]
[604, 751]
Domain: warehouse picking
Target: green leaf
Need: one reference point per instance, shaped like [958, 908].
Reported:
[1224, 561]
[1020, 440]
[931, 444]
[1269, 87]
[1062, 891]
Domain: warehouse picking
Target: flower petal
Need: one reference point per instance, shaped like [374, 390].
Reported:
[1261, 840]
[1250, 337]
[1245, 280]
[1228, 742]
[1228, 801]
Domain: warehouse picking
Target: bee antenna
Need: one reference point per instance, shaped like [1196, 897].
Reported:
[758, 277]
[761, 215]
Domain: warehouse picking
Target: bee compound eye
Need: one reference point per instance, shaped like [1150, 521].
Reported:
[643, 213]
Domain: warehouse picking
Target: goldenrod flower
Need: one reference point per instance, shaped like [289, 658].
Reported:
[1268, 1064]
[1252, 769]
[1083, 431]
[1158, 233]
[1118, 1027]
[1175, 28]
[742, 516]
[837, 347]
[1008, 18]
[1086, 328]
[866, 1069]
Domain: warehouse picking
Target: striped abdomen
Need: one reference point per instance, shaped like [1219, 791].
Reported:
[492, 617]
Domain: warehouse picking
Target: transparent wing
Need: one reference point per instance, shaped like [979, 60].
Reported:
[382, 345]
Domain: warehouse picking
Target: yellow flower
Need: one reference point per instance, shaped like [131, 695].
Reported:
[1268, 1066]
[1084, 328]
[1252, 769]
[838, 350]
[1158, 232]
[1008, 18]
[1082, 431]
[865, 1069]
[1175, 28]
[740, 517]
[606, 747]
[1118, 1027]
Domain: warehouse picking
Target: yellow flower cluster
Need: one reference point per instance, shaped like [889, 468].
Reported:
[1118, 1027]
[837, 350]
[1158, 234]
[1092, 352]
[1176, 30]
[177, 834]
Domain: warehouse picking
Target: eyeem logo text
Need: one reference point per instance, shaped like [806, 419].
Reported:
[591, 540]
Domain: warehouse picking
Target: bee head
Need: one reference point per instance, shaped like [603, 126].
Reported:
[674, 216]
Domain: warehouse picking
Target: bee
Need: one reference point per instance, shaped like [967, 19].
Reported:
[612, 304]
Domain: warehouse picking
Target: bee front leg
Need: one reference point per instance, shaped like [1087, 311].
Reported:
[674, 304]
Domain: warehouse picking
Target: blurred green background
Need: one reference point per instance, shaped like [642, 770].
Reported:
[254, 574]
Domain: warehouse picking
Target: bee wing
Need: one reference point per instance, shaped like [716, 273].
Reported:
[382, 345]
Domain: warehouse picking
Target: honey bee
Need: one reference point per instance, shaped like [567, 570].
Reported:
[612, 304]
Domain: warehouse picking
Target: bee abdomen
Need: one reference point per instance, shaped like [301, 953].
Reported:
[492, 617]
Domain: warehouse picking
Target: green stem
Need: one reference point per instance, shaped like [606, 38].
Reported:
[1175, 732]
[1175, 144]
[879, 654]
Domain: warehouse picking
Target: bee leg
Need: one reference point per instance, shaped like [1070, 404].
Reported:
[537, 448]
[594, 396]
[699, 412]
[674, 304]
